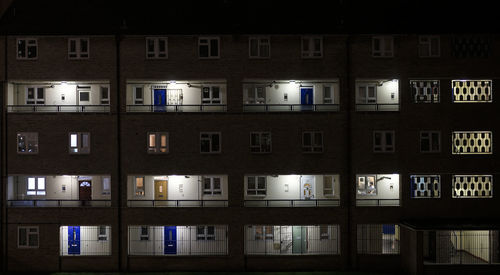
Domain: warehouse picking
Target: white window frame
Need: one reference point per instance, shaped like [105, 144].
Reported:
[28, 233]
[329, 192]
[106, 185]
[264, 235]
[382, 52]
[311, 52]
[156, 53]
[212, 190]
[208, 136]
[384, 147]
[102, 237]
[29, 137]
[207, 44]
[156, 147]
[137, 100]
[33, 42]
[254, 192]
[263, 138]
[35, 100]
[205, 236]
[425, 43]
[324, 236]
[328, 99]
[78, 53]
[366, 99]
[104, 100]
[262, 41]
[36, 186]
[142, 236]
[80, 89]
[315, 146]
[211, 99]
[138, 192]
[76, 144]
[253, 95]
[430, 140]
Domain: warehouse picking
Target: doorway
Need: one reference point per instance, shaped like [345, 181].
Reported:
[299, 241]
[306, 98]
[160, 100]
[160, 190]
[85, 190]
[307, 187]
[170, 240]
[74, 240]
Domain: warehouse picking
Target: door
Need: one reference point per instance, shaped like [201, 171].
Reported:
[160, 100]
[160, 190]
[83, 93]
[299, 235]
[85, 190]
[307, 187]
[74, 240]
[170, 240]
[306, 98]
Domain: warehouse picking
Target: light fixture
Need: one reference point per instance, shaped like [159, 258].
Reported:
[64, 83]
[187, 177]
[172, 82]
[189, 85]
[292, 82]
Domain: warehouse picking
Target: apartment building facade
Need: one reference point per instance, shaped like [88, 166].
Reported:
[130, 151]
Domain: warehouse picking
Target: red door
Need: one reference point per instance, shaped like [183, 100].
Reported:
[85, 190]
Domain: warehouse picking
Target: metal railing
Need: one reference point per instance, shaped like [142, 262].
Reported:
[58, 203]
[377, 107]
[377, 202]
[290, 107]
[176, 108]
[292, 203]
[58, 108]
[177, 203]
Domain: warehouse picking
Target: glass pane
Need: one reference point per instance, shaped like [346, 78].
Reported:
[318, 138]
[251, 182]
[21, 48]
[84, 46]
[139, 183]
[305, 45]
[253, 47]
[22, 237]
[215, 92]
[85, 140]
[378, 139]
[261, 183]
[163, 140]
[138, 93]
[215, 142]
[388, 139]
[216, 183]
[211, 230]
[151, 45]
[214, 47]
[39, 93]
[207, 183]
[206, 93]
[72, 46]
[31, 184]
[41, 183]
[152, 140]
[104, 93]
[162, 45]
[31, 93]
[73, 140]
[255, 139]
[317, 45]
[205, 146]
[84, 96]
[203, 51]
[306, 137]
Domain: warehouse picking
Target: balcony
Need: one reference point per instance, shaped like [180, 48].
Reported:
[292, 191]
[58, 97]
[376, 95]
[177, 191]
[377, 190]
[291, 96]
[176, 96]
[59, 191]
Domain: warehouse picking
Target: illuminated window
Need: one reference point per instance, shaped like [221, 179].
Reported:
[472, 142]
[103, 233]
[79, 143]
[259, 47]
[260, 142]
[27, 48]
[430, 141]
[263, 233]
[210, 142]
[208, 47]
[205, 232]
[139, 187]
[158, 143]
[383, 141]
[210, 95]
[78, 48]
[429, 46]
[27, 143]
[382, 46]
[312, 142]
[425, 186]
[36, 186]
[328, 186]
[425, 91]
[104, 95]
[27, 237]
[212, 186]
[256, 185]
[312, 47]
[138, 95]
[106, 185]
[472, 91]
[156, 47]
[35, 95]
[472, 186]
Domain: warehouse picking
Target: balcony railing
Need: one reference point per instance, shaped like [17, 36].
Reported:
[292, 203]
[176, 108]
[377, 107]
[177, 203]
[377, 202]
[290, 107]
[58, 203]
[58, 108]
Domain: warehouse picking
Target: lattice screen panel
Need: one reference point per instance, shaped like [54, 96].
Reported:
[472, 142]
[472, 186]
[425, 186]
[425, 91]
[464, 47]
[472, 90]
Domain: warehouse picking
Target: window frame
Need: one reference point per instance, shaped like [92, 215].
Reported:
[254, 192]
[430, 141]
[29, 136]
[26, 46]
[211, 100]
[78, 54]
[27, 236]
[428, 46]
[104, 100]
[266, 232]
[332, 192]
[142, 236]
[138, 101]
[212, 191]
[137, 191]
[106, 191]
[211, 143]
[156, 47]
[102, 237]
[312, 148]
[325, 236]
[209, 47]
[36, 190]
[310, 54]
[157, 148]
[331, 98]
[382, 52]
[260, 44]
[36, 100]
[384, 147]
[80, 148]
[366, 99]
[416, 96]
[205, 236]
[261, 148]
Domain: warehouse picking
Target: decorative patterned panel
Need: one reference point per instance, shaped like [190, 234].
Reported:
[425, 91]
[472, 142]
[463, 47]
[472, 90]
[425, 186]
[472, 186]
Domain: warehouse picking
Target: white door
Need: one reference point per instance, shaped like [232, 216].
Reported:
[307, 187]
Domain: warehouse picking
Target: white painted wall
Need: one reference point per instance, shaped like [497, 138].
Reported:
[53, 96]
[89, 242]
[385, 92]
[384, 190]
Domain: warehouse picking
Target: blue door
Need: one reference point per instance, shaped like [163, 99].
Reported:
[306, 98]
[389, 229]
[160, 100]
[74, 240]
[170, 240]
